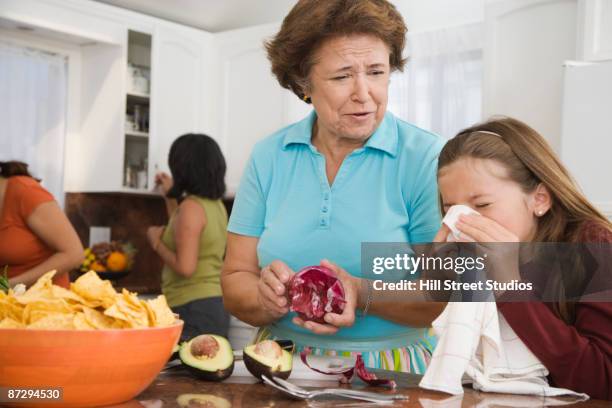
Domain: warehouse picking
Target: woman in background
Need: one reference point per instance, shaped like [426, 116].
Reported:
[192, 245]
[35, 234]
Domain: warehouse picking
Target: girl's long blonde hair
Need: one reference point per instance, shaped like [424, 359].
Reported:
[530, 161]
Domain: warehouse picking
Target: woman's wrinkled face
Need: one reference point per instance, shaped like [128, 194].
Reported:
[349, 84]
[483, 185]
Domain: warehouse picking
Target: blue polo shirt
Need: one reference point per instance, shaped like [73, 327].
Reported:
[385, 191]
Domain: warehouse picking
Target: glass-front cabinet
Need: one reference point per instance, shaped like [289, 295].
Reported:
[137, 112]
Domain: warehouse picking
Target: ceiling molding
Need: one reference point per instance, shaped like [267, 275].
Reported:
[210, 15]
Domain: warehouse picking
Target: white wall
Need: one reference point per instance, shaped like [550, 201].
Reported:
[73, 108]
[251, 104]
[595, 30]
[526, 44]
[427, 15]
[586, 143]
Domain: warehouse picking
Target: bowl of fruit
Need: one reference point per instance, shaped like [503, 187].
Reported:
[110, 260]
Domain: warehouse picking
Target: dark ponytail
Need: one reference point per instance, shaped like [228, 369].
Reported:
[13, 168]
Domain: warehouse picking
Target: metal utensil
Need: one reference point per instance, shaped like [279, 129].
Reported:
[301, 393]
[389, 397]
[297, 388]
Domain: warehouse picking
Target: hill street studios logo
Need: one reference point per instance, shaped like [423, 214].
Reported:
[438, 264]
[486, 271]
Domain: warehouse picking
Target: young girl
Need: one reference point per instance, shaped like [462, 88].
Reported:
[508, 173]
[192, 244]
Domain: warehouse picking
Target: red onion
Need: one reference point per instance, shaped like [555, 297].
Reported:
[314, 291]
[347, 373]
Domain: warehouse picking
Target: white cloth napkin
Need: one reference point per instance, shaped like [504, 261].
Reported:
[493, 400]
[476, 341]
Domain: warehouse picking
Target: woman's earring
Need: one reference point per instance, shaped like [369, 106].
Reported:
[306, 98]
[540, 213]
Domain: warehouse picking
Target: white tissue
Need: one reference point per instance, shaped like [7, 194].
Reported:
[451, 218]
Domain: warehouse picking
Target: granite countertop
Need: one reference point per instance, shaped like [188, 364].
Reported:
[176, 387]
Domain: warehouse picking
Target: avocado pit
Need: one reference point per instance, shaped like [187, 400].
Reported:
[204, 347]
[270, 358]
[269, 349]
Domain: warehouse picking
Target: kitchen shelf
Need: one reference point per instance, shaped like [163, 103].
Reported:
[140, 191]
[138, 97]
[135, 133]
[137, 109]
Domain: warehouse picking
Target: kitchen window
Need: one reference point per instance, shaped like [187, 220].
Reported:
[441, 86]
[33, 99]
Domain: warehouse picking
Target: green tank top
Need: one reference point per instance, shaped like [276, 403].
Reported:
[205, 282]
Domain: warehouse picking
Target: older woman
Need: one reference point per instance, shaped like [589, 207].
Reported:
[348, 173]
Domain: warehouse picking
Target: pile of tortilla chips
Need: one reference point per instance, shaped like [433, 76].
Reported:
[90, 304]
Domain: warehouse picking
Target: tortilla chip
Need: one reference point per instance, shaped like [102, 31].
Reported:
[128, 308]
[54, 321]
[91, 287]
[40, 290]
[36, 310]
[163, 314]
[90, 304]
[81, 323]
[8, 323]
[97, 319]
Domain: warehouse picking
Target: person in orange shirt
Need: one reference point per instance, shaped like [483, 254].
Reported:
[35, 234]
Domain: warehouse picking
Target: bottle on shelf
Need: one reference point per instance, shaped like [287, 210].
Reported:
[137, 117]
[142, 175]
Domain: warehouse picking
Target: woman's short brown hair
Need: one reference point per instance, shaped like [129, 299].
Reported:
[311, 22]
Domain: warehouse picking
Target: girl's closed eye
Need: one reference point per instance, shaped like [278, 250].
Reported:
[482, 205]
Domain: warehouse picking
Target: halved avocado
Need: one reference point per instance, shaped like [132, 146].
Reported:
[175, 352]
[208, 356]
[202, 401]
[269, 357]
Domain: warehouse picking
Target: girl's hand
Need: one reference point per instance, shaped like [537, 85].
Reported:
[334, 320]
[154, 235]
[442, 246]
[479, 228]
[499, 246]
[164, 182]
[442, 233]
[272, 288]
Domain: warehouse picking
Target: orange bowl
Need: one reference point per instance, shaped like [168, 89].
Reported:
[93, 367]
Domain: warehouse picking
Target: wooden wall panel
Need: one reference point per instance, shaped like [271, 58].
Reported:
[128, 216]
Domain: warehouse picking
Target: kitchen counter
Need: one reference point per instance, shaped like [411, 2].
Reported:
[238, 391]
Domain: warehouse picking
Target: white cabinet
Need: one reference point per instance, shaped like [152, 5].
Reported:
[96, 162]
[219, 84]
[252, 103]
[100, 145]
[595, 30]
[175, 103]
[176, 92]
[173, 106]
